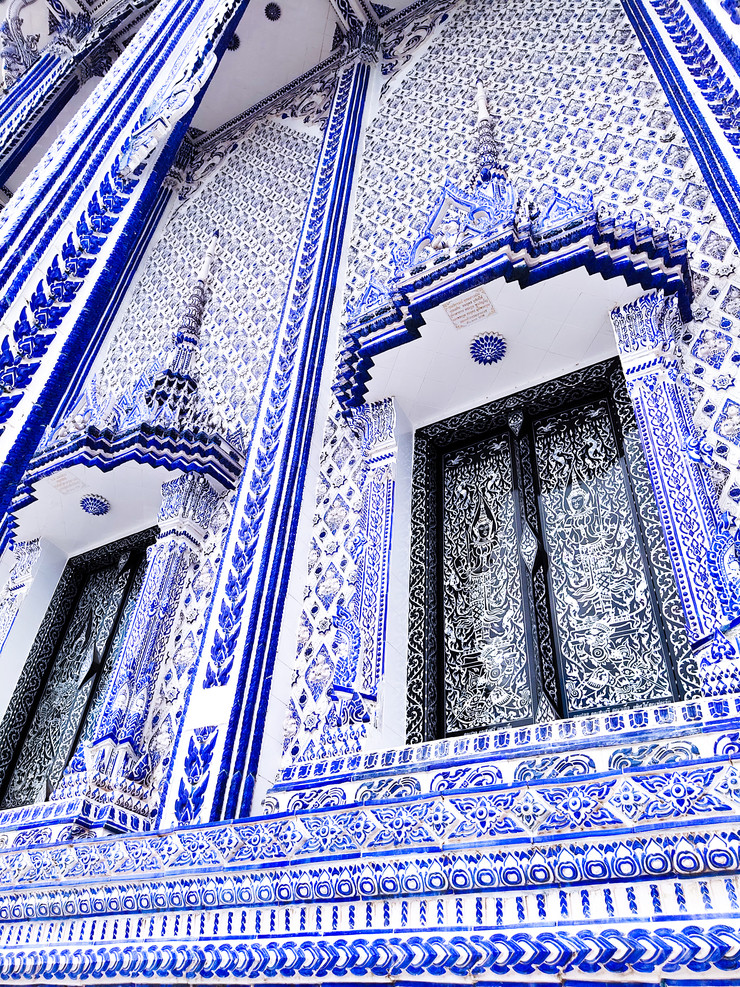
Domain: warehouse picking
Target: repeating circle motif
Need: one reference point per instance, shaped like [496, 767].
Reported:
[720, 858]
[688, 862]
[323, 889]
[596, 870]
[284, 891]
[344, 888]
[460, 878]
[512, 876]
[657, 863]
[540, 873]
[436, 881]
[567, 871]
[412, 883]
[95, 505]
[626, 867]
[367, 886]
[485, 877]
[488, 348]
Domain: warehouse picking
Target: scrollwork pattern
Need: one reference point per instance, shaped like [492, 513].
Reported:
[610, 642]
[485, 654]
[431, 443]
[38, 663]
[86, 648]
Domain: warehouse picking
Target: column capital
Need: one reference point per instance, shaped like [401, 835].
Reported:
[188, 503]
[647, 331]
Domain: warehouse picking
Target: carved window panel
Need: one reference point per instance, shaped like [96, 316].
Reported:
[486, 670]
[607, 623]
[74, 651]
[540, 583]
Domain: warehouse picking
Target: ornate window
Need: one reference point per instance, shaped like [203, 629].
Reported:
[540, 585]
[55, 704]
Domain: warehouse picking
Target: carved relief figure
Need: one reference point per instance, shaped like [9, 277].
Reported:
[485, 659]
[611, 648]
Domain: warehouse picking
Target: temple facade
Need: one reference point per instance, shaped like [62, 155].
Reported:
[370, 491]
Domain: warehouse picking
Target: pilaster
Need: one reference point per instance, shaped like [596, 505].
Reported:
[121, 754]
[646, 332]
[231, 688]
[338, 664]
[45, 86]
[26, 556]
[697, 65]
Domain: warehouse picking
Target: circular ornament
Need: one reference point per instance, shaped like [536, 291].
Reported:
[95, 504]
[273, 11]
[488, 348]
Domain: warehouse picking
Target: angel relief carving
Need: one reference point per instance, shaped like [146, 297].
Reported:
[611, 647]
[485, 657]
[602, 608]
[90, 631]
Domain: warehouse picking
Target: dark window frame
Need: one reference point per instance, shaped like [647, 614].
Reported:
[38, 666]
[424, 697]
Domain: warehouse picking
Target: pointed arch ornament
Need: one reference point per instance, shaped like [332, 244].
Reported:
[473, 237]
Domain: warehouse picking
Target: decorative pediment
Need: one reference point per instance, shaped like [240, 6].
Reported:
[373, 298]
[470, 238]
[158, 421]
[457, 220]
[555, 212]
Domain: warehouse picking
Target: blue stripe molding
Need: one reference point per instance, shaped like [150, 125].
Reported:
[113, 306]
[282, 454]
[717, 171]
[114, 208]
[601, 853]
[304, 409]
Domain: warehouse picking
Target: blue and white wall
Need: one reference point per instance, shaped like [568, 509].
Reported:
[256, 199]
[372, 862]
[578, 108]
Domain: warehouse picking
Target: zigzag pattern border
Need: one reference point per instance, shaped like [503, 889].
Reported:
[612, 950]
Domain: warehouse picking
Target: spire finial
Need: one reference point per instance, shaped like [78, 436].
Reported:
[483, 113]
[173, 389]
[489, 166]
[187, 334]
[205, 269]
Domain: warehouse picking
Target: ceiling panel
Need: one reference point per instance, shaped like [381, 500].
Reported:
[270, 55]
[549, 329]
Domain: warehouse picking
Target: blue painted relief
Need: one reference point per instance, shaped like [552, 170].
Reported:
[601, 846]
